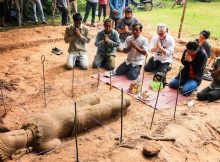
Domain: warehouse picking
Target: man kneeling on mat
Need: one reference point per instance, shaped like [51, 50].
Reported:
[106, 40]
[136, 46]
[212, 92]
[194, 61]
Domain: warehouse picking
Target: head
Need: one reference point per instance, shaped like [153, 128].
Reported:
[192, 47]
[128, 13]
[136, 29]
[77, 19]
[108, 25]
[203, 36]
[162, 31]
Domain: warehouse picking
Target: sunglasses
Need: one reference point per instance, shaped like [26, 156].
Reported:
[161, 34]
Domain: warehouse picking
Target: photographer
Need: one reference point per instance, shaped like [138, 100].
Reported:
[124, 27]
[212, 92]
[77, 35]
[194, 61]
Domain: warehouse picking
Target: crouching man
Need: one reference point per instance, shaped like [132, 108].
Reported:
[212, 92]
[77, 35]
[106, 40]
[136, 47]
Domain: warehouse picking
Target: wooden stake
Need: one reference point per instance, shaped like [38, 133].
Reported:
[98, 79]
[73, 77]
[182, 18]
[76, 129]
[177, 93]
[3, 101]
[42, 60]
[122, 99]
[155, 106]
[142, 82]
[110, 72]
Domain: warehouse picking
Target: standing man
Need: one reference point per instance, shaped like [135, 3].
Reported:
[72, 7]
[136, 47]
[116, 10]
[106, 40]
[102, 7]
[90, 4]
[62, 6]
[19, 11]
[36, 5]
[77, 35]
[194, 61]
[124, 26]
[162, 48]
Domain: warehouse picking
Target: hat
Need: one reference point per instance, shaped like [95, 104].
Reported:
[205, 33]
[161, 28]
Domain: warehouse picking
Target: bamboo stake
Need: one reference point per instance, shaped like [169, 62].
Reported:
[43, 60]
[182, 18]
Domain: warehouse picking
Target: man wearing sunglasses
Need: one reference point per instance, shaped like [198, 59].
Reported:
[162, 48]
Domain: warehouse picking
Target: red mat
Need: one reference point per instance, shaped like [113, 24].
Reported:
[167, 96]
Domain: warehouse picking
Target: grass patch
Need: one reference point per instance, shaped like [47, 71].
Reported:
[198, 16]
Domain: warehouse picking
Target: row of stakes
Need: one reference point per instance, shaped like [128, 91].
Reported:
[122, 97]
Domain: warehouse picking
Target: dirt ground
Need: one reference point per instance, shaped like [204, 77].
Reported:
[196, 129]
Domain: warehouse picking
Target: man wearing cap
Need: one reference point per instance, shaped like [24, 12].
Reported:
[136, 48]
[203, 41]
[124, 26]
[194, 61]
[162, 48]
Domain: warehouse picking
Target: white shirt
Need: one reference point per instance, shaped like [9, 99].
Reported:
[168, 44]
[93, 1]
[134, 56]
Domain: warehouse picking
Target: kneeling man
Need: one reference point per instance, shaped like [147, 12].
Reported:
[136, 47]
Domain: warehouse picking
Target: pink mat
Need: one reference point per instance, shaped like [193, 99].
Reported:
[167, 96]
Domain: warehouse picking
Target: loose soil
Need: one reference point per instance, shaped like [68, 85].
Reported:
[196, 129]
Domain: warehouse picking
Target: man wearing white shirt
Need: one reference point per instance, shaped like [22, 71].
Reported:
[136, 47]
[162, 48]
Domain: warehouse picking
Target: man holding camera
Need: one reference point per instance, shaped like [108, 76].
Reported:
[77, 35]
[124, 26]
[212, 92]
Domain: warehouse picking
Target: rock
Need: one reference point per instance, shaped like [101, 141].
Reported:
[151, 148]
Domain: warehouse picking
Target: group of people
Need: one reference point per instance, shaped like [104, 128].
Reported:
[127, 37]
[66, 8]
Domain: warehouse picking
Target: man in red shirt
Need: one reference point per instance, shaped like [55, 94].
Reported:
[194, 61]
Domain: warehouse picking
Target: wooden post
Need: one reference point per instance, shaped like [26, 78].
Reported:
[43, 60]
[182, 18]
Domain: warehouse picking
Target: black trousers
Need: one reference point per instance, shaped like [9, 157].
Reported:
[89, 6]
[209, 94]
[156, 66]
[100, 8]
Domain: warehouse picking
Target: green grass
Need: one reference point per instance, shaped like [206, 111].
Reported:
[198, 16]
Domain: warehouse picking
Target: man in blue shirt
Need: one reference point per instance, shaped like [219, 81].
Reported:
[106, 40]
[116, 10]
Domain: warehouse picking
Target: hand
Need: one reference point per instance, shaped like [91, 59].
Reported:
[159, 44]
[126, 29]
[188, 57]
[132, 44]
[115, 12]
[106, 39]
[77, 32]
[215, 73]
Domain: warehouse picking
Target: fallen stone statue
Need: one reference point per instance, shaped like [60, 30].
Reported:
[43, 131]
